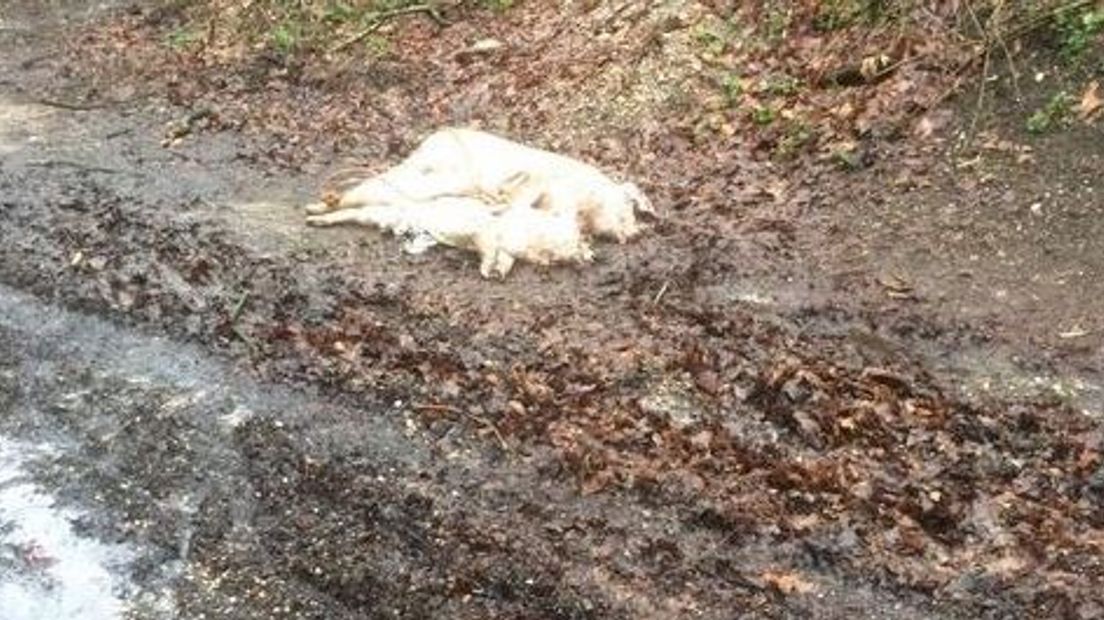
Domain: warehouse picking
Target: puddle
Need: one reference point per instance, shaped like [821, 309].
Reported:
[47, 570]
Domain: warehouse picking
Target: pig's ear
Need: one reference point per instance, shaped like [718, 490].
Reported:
[640, 202]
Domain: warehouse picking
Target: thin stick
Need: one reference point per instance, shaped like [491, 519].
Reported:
[380, 18]
[244, 338]
[436, 408]
[984, 72]
[59, 163]
[72, 107]
[494, 429]
[1013, 71]
[662, 291]
[239, 307]
[1011, 32]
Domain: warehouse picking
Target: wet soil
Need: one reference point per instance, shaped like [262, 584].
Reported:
[842, 400]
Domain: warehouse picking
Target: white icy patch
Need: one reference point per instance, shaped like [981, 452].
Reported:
[47, 571]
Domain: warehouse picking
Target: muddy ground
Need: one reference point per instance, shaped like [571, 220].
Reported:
[872, 393]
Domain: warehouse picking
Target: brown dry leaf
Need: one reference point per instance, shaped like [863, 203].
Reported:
[788, 583]
[895, 283]
[873, 65]
[1006, 566]
[924, 128]
[1090, 101]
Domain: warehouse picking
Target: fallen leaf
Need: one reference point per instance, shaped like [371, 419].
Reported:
[924, 128]
[1090, 101]
[788, 583]
[895, 283]
[873, 65]
[1006, 566]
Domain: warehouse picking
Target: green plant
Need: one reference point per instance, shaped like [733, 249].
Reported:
[181, 38]
[377, 45]
[497, 5]
[763, 115]
[839, 14]
[779, 20]
[1077, 30]
[847, 157]
[1056, 113]
[798, 135]
[339, 13]
[781, 84]
[286, 36]
[714, 37]
[733, 87]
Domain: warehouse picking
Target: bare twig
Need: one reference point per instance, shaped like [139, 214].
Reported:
[1012, 70]
[1045, 18]
[436, 408]
[383, 16]
[494, 429]
[118, 133]
[984, 72]
[59, 163]
[246, 340]
[1000, 36]
[661, 293]
[71, 106]
[239, 307]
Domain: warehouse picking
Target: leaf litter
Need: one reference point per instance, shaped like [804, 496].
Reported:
[760, 433]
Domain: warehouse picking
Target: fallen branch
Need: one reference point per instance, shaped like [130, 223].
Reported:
[380, 18]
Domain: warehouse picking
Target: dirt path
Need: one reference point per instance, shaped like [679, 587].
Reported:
[279, 422]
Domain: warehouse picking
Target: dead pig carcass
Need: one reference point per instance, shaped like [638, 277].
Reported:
[477, 191]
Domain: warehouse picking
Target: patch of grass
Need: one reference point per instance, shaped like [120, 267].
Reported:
[286, 36]
[847, 157]
[1078, 30]
[781, 85]
[377, 46]
[339, 13]
[779, 20]
[496, 5]
[182, 38]
[715, 38]
[798, 135]
[732, 86]
[834, 15]
[1054, 115]
[296, 27]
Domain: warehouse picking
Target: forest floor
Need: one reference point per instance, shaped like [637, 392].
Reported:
[855, 369]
